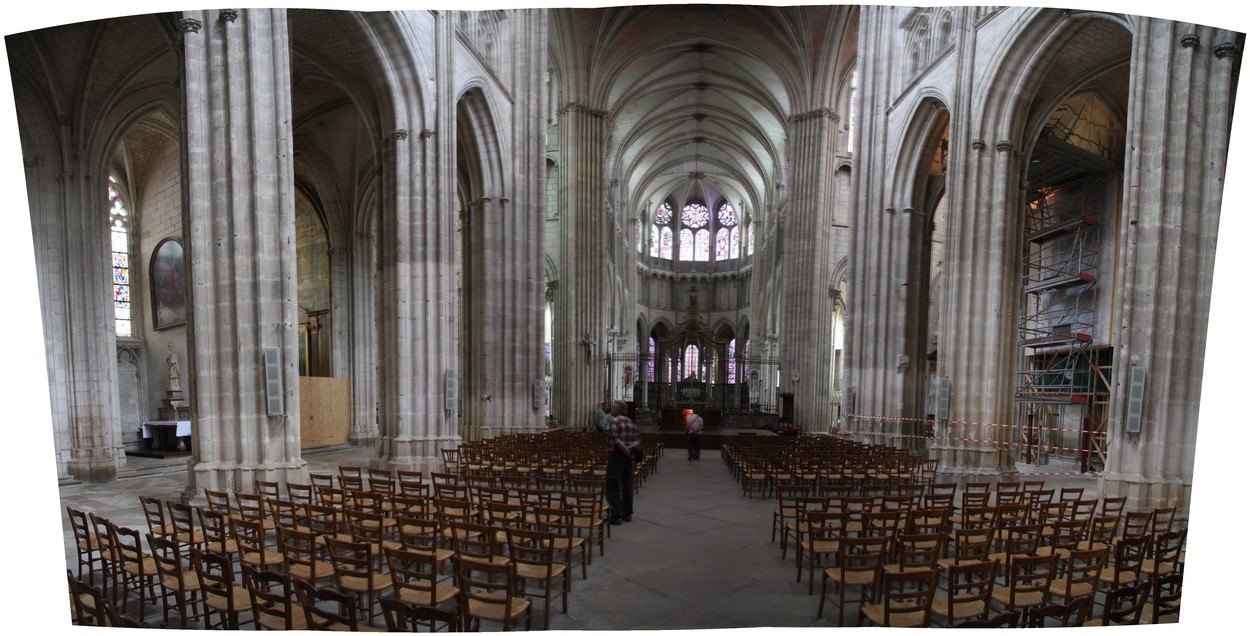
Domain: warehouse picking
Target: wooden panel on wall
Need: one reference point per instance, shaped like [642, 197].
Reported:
[324, 411]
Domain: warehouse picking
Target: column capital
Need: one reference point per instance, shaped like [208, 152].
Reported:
[228, 15]
[1225, 50]
[189, 25]
[1190, 40]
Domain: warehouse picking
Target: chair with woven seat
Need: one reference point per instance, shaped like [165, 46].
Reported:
[858, 564]
[154, 514]
[87, 602]
[1113, 506]
[797, 526]
[908, 597]
[180, 586]
[1071, 613]
[320, 480]
[533, 553]
[1065, 536]
[404, 616]
[1124, 605]
[1162, 520]
[249, 537]
[824, 529]
[969, 588]
[914, 552]
[88, 549]
[1081, 571]
[249, 505]
[590, 517]
[1135, 523]
[477, 541]
[1028, 582]
[351, 478]
[1125, 565]
[488, 593]
[268, 489]
[300, 557]
[415, 579]
[137, 569]
[1100, 532]
[785, 511]
[273, 599]
[326, 520]
[110, 569]
[215, 527]
[560, 523]
[1165, 598]
[1009, 619]
[218, 591]
[354, 571]
[1023, 539]
[1165, 553]
[318, 615]
[300, 494]
[283, 512]
[182, 522]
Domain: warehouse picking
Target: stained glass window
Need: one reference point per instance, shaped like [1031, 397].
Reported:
[666, 243]
[735, 237]
[701, 240]
[695, 215]
[651, 360]
[746, 358]
[120, 242]
[722, 244]
[750, 239]
[687, 245]
[655, 241]
[639, 238]
[726, 215]
[663, 214]
[692, 362]
[732, 376]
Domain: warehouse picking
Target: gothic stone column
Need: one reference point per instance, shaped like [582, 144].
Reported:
[240, 219]
[1181, 83]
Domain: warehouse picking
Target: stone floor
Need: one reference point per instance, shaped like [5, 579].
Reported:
[696, 555]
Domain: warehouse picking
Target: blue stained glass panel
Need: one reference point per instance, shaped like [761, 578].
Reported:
[121, 293]
[663, 214]
[726, 215]
[733, 362]
[121, 276]
[666, 243]
[734, 239]
[722, 244]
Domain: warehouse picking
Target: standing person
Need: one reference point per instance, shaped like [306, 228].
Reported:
[694, 434]
[605, 416]
[622, 438]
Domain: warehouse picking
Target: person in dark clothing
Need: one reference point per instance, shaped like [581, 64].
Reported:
[622, 439]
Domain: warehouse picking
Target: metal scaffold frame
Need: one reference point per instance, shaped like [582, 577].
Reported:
[1062, 386]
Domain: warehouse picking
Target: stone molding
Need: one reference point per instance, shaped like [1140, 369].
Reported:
[576, 107]
[189, 25]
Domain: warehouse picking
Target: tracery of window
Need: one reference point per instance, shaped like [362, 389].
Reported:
[694, 247]
[120, 241]
[732, 375]
[686, 241]
[691, 362]
[651, 360]
[661, 234]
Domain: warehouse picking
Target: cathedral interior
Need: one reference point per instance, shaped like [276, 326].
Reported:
[980, 241]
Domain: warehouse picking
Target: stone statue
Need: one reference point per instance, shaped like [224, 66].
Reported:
[175, 383]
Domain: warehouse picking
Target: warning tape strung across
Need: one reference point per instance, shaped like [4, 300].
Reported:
[882, 418]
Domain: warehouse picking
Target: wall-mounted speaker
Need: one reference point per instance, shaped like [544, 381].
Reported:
[273, 381]
[1136, 398]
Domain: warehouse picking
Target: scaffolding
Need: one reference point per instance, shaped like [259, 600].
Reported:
[1061, 386]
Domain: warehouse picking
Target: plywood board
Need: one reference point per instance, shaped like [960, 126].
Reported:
[325, 407]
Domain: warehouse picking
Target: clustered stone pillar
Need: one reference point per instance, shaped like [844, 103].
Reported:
[580, 297]
[240, 225]
[1181, 82]
[807, 263]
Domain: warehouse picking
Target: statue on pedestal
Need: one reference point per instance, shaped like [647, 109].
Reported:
[175, 383]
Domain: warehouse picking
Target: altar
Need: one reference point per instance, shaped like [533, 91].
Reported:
[165, 439]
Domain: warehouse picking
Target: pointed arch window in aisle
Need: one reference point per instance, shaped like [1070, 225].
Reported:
[651, 360]
[691, 362]
[732, 376]
[119, 235]
[661, 233]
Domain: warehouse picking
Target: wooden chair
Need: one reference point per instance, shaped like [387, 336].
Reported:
[560, 523]
[110, 562]
[182, 522]
[1165, 554]
[272, 598]
[179, 586]
[88, 549]
[218, 590]
[914, 552]
[268, 489]
[1128, 557]
[284, 512]
[786, 510]
[908, 597]
[299, 555]
[590, 517]
[825, 528]
[320, 480]
[300, 494]
[1100, 533]
[533, 554]
[1081, 571]
[970, 587]
[968, 545]
[154, 514]
[87, 602]
[326, 520]
[1124, 605]
[354, 571]
[1113, 506]
[858, 564]
[415, 579]
[249, 537]
[797, 526]
[216, 532]
[1028, 582]
[351, 478]
[318, 615]
[488, 593]
[1071, 613]
[138, 569]
[405, 616]
[1165, 598]
[1010, 619]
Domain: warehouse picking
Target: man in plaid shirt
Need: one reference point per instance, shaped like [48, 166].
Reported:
[622, 438]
